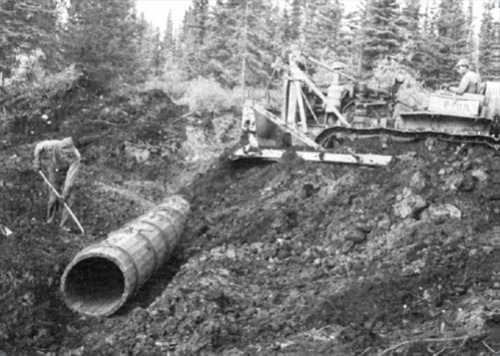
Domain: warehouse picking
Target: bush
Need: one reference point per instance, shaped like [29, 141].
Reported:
[172, 82]
[206, 96]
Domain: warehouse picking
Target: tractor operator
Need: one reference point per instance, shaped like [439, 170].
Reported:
[334, 94]
[63, 165]
[470, 83]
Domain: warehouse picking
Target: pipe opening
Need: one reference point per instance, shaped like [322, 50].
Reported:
[94, 286]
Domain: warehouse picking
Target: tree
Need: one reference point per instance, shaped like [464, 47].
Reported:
[285, 29]
[149, 50]
[296, 20]
[382, 36]
[488, 43]
[322, 28]
[415, 47]
[451, 42]
[28, 25]
[409, 23]
[168, 42]
[103, 37]
[199, 26]
[425, 57]
[217, 48]
[471, 42]
[157, 56]
[193, 37]
[241, 34]
[250, 41]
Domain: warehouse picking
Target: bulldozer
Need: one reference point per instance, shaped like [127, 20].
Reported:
[318, 122]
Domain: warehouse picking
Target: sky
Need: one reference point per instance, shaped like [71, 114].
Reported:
[156, 11]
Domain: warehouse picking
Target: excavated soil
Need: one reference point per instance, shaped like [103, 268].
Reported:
[286, 258]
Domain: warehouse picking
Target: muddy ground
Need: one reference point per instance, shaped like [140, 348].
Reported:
[287, 258]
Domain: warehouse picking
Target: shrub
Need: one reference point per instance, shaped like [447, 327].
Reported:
[206, 96]
[172, 82]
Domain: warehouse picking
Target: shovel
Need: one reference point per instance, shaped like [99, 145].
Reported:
[65, 205]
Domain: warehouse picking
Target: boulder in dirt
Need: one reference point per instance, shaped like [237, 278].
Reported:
[453, 182]
[467, 184]
[355, 235]
[439, 213]
[409, 205]
[137, 154]
[480, 174]
[403, 233]
[384, 222]
[417, 182]
[308, 189]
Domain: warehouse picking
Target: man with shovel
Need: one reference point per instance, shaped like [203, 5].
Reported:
[62, 166]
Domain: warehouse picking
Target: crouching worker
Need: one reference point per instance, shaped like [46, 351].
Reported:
[63, 163]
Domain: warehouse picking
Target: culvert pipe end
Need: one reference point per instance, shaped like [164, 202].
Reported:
[98, 281]
[102, 277]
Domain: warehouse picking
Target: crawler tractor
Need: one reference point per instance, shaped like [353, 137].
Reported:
[320, 120]
[318, 123]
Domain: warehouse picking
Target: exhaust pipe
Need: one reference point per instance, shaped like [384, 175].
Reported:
[103, 276]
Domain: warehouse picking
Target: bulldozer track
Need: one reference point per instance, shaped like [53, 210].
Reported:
[326, 136]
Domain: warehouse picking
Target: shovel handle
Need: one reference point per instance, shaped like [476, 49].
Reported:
[65, 205]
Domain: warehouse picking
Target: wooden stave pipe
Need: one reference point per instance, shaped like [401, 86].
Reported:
[103, 276]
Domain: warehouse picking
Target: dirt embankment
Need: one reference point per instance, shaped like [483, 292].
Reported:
[283, 258]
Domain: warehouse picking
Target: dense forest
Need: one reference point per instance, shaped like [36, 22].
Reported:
[237, 43]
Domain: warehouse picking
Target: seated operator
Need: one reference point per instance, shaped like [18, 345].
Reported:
[470, 82]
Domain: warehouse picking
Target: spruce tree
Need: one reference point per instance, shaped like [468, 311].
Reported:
[322, 28]
[487, 45]
[285, 27]
[193, 37]
[158, 55]
[145, 47]
[101, 35]
[451, 41]
[415, 47]
[28, 25]
[240, 36]
[296, 20]
[426, 55]
[409, 23]
[199, 29]
[168, 42]
[355, 21]
[217, 49]
[471, 42]
[382, 36]
[252, 40]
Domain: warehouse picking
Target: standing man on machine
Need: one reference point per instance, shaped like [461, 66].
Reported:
[63, 163]
[335, 94]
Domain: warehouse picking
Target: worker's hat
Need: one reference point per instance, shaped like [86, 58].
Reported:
[67, 142]
[462, 62]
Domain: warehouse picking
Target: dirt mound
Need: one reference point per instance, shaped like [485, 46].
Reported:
[301, 258]
[283, 258]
